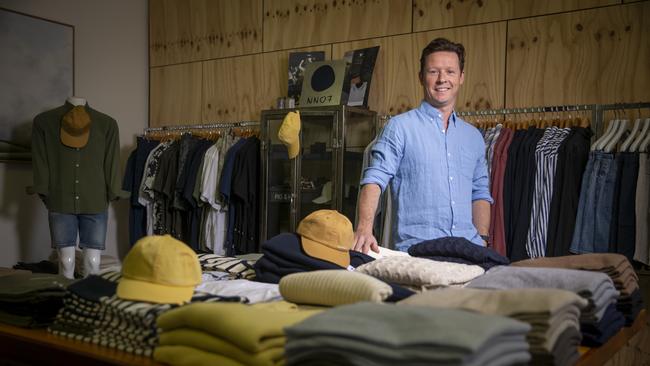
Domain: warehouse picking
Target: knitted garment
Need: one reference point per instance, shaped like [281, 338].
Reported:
[419, 272]
[500, 302]
[189, 356]
[208, 343]
[333, 287]
[461, 248]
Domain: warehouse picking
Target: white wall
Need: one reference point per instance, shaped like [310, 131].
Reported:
[111, 72]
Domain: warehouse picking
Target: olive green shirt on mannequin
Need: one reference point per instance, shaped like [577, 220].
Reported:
[76, 180]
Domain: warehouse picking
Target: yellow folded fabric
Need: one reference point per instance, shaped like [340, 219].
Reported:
[203, 341]
[333, 287]
[188, 356]
[251, 328]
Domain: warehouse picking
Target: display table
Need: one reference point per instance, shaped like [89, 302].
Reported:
[38, 347]
[620, 349]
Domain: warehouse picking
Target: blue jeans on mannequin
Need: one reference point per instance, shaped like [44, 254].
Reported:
[91, 230]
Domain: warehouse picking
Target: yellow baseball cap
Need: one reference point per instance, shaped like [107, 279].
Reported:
[159, 269]
[75, 127]
[327, 235]
[289, 133]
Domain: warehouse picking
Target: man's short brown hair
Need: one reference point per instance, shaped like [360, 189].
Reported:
[443, 44]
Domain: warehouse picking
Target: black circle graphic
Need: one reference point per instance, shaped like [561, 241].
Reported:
[322, 78]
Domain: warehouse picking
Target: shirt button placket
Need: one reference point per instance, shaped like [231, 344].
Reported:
[76, 184]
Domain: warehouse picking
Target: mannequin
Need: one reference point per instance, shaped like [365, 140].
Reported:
[75, 101]
[76, 159]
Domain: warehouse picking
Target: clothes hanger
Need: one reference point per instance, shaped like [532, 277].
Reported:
[602, 140]
[632, 136]
[611, 144]
[645, 143]
[645, 131]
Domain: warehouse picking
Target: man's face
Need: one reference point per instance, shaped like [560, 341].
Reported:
[441, 78]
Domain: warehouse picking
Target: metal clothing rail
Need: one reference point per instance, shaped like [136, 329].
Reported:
[202, 127]
[597, 111]
[546, 109]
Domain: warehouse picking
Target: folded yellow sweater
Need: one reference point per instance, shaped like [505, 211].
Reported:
[274, 356]
[251, 328]
[188, 356]
[333, 287]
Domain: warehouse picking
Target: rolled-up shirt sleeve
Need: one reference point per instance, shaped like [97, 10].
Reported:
[385, 156]
[481, 181]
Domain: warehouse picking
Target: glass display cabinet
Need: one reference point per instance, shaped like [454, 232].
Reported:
[326, 172]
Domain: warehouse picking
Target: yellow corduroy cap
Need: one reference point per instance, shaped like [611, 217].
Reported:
[75, 127]
[289, 133]
[159, 269]
[327, 235]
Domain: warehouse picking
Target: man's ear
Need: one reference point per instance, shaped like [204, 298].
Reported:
[420, 78]
[462, 77]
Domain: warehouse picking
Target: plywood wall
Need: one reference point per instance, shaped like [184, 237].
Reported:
[433, 14]
[194, 30]
[591, 56]
[226, 60]
[299, 23]
[175, 95]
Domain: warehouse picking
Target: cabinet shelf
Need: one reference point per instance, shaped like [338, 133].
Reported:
[332, 141]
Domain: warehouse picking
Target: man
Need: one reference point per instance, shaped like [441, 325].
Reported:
[434, 162]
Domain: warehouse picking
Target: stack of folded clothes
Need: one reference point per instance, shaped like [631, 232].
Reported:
[130, 326]
[283, 255]
[338, 287]
[420, 273]
[226, 334]
[554, 316]
[81, 313]
[384, 334]
[599, 321]
[458, 250]
[252, 291]
[616, 266]
[236, 267]
[31, 300]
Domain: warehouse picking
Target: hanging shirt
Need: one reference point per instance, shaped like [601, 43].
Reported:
[76, 180]
[435, 175]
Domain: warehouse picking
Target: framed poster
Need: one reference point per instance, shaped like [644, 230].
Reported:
[360, 65]
[298, 61]
[36, 74]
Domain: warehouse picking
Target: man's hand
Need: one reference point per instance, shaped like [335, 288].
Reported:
[365, 241]
[368, 200]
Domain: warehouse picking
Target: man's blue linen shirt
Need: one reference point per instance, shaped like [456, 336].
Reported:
[434, 174]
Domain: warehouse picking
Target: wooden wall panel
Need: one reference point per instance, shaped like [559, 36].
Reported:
[175, 94]
[300, 23]
[484, 63]
[394, 88]
[193, 30]
[436, 14]
[592, 56]
[276, 69]
[232, 27]
[232, 89]
[171, 37]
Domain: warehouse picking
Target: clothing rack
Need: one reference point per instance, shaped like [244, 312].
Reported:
[597, 111]
[210, 126]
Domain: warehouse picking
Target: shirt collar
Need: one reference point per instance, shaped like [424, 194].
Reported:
[432, 112]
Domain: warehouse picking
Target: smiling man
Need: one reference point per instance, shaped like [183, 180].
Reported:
[433, 161]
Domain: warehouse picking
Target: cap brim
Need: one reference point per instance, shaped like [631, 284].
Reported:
[130, 289]
[320, 251]
[321, 199]
[74, 141]
[293, 150]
